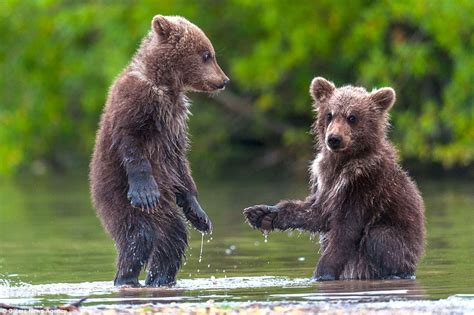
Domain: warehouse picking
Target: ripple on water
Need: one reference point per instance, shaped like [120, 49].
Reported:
[106, 287]
[380, 294]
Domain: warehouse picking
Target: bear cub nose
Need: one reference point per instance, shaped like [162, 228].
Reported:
[224, 83]
[334, 141]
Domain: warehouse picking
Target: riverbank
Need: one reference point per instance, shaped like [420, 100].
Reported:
[451, 305]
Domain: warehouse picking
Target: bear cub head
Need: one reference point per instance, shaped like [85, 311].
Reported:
[187, 54]
[351, 121]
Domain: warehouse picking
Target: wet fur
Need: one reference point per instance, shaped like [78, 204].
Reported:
[139, 174]
[368, 212]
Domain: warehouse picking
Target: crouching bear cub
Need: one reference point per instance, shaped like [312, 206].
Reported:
[368, 212]
[141, 183]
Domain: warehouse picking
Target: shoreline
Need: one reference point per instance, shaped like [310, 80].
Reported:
[454, 304]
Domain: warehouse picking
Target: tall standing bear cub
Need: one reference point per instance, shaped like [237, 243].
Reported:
[141, 183]
[367, 210]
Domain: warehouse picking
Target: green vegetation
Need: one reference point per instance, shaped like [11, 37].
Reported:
[59, 57]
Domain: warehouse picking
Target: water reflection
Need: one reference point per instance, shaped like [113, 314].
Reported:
[382, 290]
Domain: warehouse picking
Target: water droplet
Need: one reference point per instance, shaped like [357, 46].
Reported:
[198, 271]
[265, 235]
[228, 251]
[301, 258]
[223, 271]
[202, 245]
[232, 247]
[256, 243]
[213, 278]
[209, 266]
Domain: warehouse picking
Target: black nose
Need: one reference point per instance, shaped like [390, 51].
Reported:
[334, 141]
[224, 83]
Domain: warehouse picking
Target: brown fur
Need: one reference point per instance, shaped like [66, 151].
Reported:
[139, 173]
[369, 213]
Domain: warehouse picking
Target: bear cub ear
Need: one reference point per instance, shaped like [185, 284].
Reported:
[321, 89]
[161, 26]
[384, 98]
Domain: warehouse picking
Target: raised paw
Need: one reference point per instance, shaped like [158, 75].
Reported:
[261, 216]
[194, 213]
[143, 193]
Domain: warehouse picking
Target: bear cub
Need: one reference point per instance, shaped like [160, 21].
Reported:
[140, 180]
[368, 212]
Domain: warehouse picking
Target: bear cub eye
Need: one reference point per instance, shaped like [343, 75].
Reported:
[206, 56]
[328, 118]
[351, 119]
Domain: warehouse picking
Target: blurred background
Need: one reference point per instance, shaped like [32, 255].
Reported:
[58, 58]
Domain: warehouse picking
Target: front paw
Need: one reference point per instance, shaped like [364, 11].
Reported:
[143, 193]
[194, 213]
[261, 216]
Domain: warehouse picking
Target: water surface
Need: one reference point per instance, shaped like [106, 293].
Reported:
[53, 249]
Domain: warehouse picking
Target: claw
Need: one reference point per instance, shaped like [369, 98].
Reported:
[194, 213]
[143, 194]
[261, 216]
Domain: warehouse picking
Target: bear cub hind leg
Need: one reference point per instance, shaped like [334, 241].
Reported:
[390, 253]
[134, 248]
[167, 254]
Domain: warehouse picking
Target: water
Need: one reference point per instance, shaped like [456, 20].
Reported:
[53, 250]
[202, 247]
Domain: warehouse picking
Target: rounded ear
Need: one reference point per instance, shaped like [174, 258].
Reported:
[161, 26]
[321, 89]
[384, 98]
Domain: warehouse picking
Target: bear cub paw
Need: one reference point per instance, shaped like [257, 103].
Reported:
[143, 192]
[131, 282]
[261, 216]
[325, 277]
[194, 213]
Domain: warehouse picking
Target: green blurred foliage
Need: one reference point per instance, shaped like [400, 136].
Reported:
[57, 59]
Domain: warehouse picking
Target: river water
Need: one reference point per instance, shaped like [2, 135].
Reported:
[53, 249]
